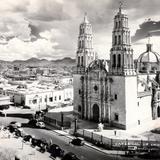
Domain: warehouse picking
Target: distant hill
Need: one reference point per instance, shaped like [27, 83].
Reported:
[67, 61]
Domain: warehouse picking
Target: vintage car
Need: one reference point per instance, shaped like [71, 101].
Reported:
[77, 141]
[27, 138]
[56, 151]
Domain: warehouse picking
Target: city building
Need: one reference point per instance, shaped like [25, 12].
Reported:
[119, 94]
[4, 102]
[38, 96]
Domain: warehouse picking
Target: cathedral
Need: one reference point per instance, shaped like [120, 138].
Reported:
[121, 92]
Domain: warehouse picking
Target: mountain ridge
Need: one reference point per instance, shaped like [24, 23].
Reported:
[66, 61]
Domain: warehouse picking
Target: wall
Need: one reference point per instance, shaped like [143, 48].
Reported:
[76, 96]
[118, 105]
[40, 99]
[131, 101]
[144, 110]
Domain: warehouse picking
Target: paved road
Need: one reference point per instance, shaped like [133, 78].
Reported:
[83, 152]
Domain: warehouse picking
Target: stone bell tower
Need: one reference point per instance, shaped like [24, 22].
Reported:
[123, 75]
[121, 56]
[84, 56]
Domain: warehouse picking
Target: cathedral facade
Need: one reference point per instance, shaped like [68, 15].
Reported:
[115, 91]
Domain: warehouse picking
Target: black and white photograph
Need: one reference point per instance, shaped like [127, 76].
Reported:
[79, 80]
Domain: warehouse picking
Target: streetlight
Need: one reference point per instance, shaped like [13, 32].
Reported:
[75, 125]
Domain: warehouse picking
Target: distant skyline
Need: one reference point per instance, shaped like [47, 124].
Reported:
[49, 28]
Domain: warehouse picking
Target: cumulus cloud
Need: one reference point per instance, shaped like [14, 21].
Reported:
[18, 49]
[49, 28]
[149, 27]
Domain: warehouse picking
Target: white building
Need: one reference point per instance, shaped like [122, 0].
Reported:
[117, 94]
[37, 96]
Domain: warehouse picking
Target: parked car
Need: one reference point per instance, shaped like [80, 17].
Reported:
[43, 146]
[70, 156]
[40, 124]
[34, 142]
[27, 138]
[32, 123]
[77, 141]
[36, 123]
[56, 151]
[11, 128]
[18, 133]
[15, 124]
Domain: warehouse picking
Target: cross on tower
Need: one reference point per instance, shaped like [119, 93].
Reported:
[149, 37]
[120, 6]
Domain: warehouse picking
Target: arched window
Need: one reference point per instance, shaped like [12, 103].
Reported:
[114, 61]
[119, 39]
[81, 30]
[119, 23]
[115, 42]
[82, 43]
[82, 61]
[116, 25]
[119, 60]
[78, 60]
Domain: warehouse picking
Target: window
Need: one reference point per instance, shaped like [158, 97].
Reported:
[79, 91]
[45, 99]
[79, 108]
[114, 61]
[59, 97]
[115, 42]
[34, 101]
[138, 103]
[116, 117]
[119, 39]
[78, 61]
[51, 99]
[30, 101]
[82, 43]
[119, 60]
[40, 100]
[95, 88]
[82, 61]
[139, 122]
[55, 98]
[115, 96]
[116, 24]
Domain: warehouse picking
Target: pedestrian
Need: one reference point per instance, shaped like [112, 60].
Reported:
[115, 132]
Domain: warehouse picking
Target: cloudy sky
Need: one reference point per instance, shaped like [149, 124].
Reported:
[49, 28]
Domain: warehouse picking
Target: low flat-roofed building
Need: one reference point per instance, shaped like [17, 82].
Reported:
[4, 102]
[38, 96]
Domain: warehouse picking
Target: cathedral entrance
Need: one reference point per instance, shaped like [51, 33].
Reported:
[95, 113]
[158, 111]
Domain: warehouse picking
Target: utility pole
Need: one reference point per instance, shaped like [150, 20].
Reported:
[75, 125]
[62, 120]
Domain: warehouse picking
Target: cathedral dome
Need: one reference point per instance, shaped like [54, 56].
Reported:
[148, 61]
[149, 56]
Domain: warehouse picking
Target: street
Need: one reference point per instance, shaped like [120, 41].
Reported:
[83, 152]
